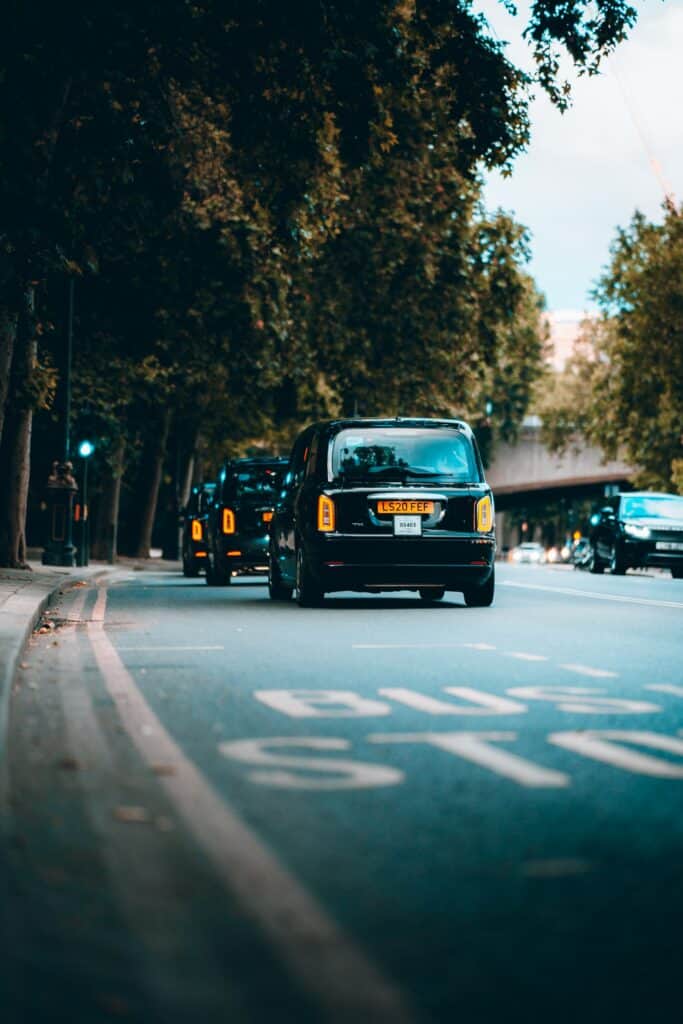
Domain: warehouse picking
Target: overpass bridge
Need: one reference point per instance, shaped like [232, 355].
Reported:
[527, 475]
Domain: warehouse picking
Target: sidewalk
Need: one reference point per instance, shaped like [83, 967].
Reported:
[24, 595]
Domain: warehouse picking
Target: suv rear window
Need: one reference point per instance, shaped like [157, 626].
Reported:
[403, 453]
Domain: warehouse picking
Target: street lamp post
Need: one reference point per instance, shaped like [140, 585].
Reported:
[61, 486]
[85, 450]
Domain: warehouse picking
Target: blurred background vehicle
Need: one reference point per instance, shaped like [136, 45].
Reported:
[194, 517]
[638, 530]
[529, 553]
[581, 556]
[239, 519]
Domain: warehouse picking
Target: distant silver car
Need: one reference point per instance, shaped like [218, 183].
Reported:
[531, 553]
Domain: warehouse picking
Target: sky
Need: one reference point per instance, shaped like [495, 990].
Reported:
[586, 172]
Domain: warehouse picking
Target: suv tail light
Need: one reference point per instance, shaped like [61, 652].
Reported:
[228, 520]
[326, 514]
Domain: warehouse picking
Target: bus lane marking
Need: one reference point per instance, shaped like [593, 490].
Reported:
[587, 670]
[478, 748]
[600, 745]
[485, 703]
[321, 703]
[584, 700]
[676, 691]
[312, 946]
[349, 774]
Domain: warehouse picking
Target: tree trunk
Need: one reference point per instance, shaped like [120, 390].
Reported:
[173, 536]
[105, 541]
[153, 464]
[15, 446]
[8, 330]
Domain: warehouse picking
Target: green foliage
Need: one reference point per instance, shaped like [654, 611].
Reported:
[624, 389]
[272, 210]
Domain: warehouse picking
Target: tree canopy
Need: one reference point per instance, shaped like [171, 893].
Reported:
[623, 389]
[272, 210]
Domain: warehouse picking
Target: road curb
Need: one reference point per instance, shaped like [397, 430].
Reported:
[18, 618]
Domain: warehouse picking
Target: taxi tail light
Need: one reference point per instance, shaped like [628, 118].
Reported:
[228, 520]
[196, 530]
[326, 514]
[485, 515]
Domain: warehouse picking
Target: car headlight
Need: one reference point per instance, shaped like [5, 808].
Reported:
[639, 532]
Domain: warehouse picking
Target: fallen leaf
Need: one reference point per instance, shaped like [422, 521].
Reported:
[132, 815]
[163, 769]
[69, 764]
[23, 665]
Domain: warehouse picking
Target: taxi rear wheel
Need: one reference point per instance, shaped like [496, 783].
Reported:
[277, 590]
[481, 596]
[217, 576]
[309, 593]
[430, 594]
[190, 568]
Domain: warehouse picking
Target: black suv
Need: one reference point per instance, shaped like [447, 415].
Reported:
[239, 519]
[194, 529]
[638, 529]
[384, 504]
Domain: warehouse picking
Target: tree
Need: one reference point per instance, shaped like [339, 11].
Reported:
[260, 140]
[624, 389]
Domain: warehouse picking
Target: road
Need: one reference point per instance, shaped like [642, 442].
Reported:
[221, 809]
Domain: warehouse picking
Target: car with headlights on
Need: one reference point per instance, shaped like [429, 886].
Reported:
[194, 517]
[638, 530]
[240, 516]
[384, 505]
[528, 553]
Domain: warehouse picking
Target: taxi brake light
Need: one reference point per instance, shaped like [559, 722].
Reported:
[267, 517]
[228, 520]
[485, 515]
[196, 530]
[326, 514]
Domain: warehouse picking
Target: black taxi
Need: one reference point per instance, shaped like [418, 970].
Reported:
[194, 517]
[381, 505]
[239, 519]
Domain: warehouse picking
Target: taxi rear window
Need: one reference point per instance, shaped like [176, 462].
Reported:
[254, 481]
[403, 453]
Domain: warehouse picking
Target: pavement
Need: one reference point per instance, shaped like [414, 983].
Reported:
[24, 596]
[222, 808]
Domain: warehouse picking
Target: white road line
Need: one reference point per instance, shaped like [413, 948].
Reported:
[138, 886]
[316, 951]
[587, 670]
[480, 647]
[477, 747]
[524, 656]
[619, 598]
[391, 647]
[676, 691]
[177, 647]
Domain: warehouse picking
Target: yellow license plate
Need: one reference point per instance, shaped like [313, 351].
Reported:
[409, 507]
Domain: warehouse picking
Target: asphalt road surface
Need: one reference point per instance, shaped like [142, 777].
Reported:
[224, 809]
